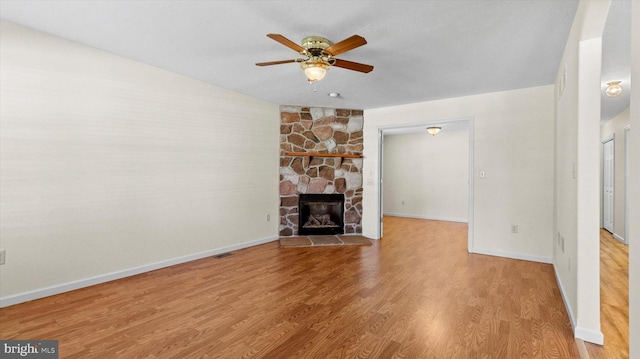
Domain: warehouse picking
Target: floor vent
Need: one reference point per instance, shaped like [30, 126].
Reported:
[222, 255]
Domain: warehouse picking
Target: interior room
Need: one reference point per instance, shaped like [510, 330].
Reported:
[155, 155]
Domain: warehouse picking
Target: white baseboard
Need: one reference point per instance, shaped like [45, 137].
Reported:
[521, 256]
[591, 336]
[566, 302]
[82, 283]
[433, 218]
[620, 238]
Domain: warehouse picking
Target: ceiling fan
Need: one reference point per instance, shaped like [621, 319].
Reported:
[319, 55]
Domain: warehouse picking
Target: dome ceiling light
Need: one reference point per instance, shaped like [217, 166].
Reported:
[434, 130]
[613, 89]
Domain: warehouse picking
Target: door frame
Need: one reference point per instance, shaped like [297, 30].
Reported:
[627, 137]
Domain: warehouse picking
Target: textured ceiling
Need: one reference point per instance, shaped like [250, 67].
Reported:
[616, 59]
[421, 50]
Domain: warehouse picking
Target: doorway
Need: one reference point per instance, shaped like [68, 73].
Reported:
[406, 203]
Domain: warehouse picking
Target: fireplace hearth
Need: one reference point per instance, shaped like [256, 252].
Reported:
[321, 214]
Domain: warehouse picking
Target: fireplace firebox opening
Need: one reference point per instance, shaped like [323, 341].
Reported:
[321, 214]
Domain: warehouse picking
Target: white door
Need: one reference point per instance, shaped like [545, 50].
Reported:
[607, 185]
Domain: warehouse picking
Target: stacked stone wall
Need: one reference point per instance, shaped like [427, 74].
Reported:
[320, 130]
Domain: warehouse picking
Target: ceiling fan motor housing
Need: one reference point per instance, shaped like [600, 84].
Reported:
[315, 45]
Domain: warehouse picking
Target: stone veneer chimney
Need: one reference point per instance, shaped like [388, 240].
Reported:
[320, 130]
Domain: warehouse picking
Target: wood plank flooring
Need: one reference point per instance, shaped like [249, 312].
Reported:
[416, 293]
[614, 299]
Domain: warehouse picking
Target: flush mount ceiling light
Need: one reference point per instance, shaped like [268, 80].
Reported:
[334, 94]
[433, 130]
[318, 55]
[613, 89]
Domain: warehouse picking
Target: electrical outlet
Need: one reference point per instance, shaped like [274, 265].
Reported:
[514, 228]
[2, 256]
[268, 217]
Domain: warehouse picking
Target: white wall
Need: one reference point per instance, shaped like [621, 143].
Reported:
[110, 167]
[513, 143]
[615, 128]
[577, 208]
[634, 194]
[427, 176]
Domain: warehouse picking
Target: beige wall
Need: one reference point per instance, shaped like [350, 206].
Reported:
[110, 167]
[634, 194]
[577, 179]
[512, 142]
[427, 176]
[615, 128]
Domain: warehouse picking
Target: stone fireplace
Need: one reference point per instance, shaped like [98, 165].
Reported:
[320, 152]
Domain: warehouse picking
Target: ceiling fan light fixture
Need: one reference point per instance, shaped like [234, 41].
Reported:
[613, 89]
[314, 70]
[433, 130]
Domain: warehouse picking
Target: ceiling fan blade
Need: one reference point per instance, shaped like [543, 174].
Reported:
[355, 66]
[275, 62]
[346, 45]
[286, 42]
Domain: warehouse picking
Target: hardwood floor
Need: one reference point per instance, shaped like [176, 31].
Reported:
[614, 299]
[416, 293]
